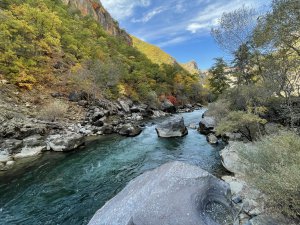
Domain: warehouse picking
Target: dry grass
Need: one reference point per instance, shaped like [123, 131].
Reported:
[274, 168]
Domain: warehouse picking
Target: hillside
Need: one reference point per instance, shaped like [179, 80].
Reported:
[154, 53]
[158, 56]
[192, 67]
[76, 45]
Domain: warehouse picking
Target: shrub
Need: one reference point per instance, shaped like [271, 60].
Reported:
[246, 123]
[274, 168]
[218, 109]
[54, 110]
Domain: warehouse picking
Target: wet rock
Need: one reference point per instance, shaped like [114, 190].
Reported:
[173, 127]
[173, 194]
[168, 107]
[27, 152]
[207, 125]
[65, 142]
[212, 139]
[130, 130]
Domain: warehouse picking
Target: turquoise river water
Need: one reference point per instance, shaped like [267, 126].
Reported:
[68, 188]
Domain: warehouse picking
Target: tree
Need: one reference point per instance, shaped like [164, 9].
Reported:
[218, 80]
[243, 65]
[235, 29]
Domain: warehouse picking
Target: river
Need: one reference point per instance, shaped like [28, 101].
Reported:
[68, 188]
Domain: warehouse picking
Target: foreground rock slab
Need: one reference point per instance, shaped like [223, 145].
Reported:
[173, 194]
[173, 127]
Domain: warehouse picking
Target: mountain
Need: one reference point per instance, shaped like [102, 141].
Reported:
[154, 53]
[98, 12]
[192, 67]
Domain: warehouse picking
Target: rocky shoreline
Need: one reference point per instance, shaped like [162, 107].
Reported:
[249, 202]
[25, 137]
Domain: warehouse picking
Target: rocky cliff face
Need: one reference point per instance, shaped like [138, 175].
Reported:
[95, 9]
[192, 67]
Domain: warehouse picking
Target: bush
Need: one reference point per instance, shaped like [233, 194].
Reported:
[218, 110]
[246, 123]
[54, 110]
[274, 168]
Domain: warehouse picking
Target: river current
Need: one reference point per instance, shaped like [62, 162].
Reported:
[68, 188]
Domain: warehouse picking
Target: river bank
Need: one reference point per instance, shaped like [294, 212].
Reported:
[68, 188]
[28, 130]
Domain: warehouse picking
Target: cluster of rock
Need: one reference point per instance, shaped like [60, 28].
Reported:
[23, 137]
[207, 127]
[174, 194]
[247, 199]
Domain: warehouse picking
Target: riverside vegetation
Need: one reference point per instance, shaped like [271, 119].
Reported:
[258, 90]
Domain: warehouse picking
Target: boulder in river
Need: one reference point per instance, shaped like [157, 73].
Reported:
[207, 125]
[64, 142]
[174, 194]
[130, 130]
[174, 127]
[212, 139]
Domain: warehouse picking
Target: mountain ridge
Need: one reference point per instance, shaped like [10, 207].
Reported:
[100, 14]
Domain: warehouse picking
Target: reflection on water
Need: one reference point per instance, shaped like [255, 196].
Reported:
[69, 188]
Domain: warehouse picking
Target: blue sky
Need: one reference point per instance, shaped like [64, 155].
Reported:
[179, 27]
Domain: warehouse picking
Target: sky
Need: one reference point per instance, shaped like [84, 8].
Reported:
[179, 27]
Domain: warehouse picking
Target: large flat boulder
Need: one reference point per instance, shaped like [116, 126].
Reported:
[174, 194]
[64, 142]
[173, 127]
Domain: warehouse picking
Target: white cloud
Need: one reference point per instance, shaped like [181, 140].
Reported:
[173, 41]
[148, 16]
[208, 17]
[122, 9]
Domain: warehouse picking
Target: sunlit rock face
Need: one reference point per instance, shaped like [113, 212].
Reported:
[174, 194]
[96, 10]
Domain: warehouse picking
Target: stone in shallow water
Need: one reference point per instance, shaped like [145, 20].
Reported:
[174, 127]
[174, 194]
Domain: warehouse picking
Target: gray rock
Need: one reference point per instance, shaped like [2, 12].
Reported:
[130, 130]
[173, 194]
[270, 220]
[168, 107]
[12, 145]
[207, 125]
[174, 127]
[231, 160]
[107, 129]
[33, 141]
[125, 104]
[212, 139]
[232, 137]
[66, 142]
[28, 152]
